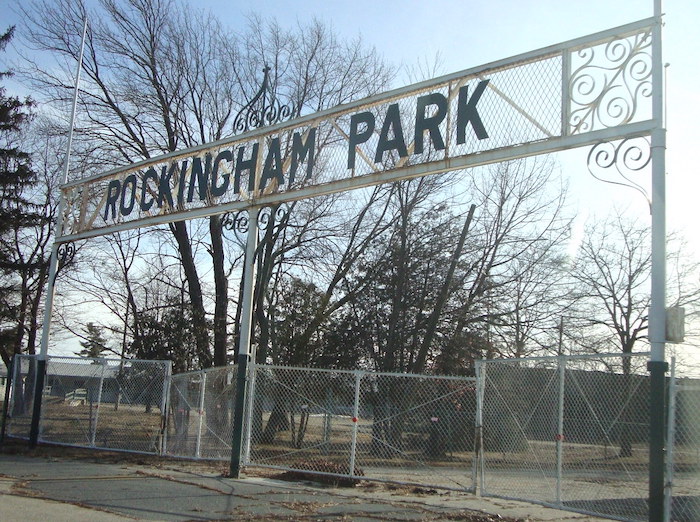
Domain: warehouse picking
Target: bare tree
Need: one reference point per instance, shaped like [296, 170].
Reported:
[445, 279]
[159, 76]
[612, 282]
[28, 244]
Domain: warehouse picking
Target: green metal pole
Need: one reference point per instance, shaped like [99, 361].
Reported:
[657, 407]
[245, 351]
[237, 442]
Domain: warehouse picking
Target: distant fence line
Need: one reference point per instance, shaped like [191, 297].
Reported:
[568, 431]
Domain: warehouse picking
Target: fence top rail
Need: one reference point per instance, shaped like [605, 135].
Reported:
[191, 373]
[93, 360]
[367, 372]
[585, 356]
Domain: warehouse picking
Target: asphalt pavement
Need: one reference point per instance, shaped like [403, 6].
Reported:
[57, 487]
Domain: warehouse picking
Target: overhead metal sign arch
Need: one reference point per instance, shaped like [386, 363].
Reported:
[577, 93]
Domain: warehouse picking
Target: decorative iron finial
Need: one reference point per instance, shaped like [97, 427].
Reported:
[264, 109]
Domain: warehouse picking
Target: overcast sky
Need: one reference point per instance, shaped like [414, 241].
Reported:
[468, 33]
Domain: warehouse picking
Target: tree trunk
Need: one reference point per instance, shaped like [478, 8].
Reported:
[220, 290]
[419, 364]
[179, 230]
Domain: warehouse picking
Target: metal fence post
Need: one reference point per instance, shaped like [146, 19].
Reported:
[164, 403]
[561, 362]
[670, 441]
[103, 363]
[479, 427]
[248, 413]
[39, 376]
[200, 411]
[355, 420]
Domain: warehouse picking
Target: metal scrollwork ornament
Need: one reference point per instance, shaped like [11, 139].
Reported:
[609, 82]
[237, 222]
[626, 157]
[66, 254]
[263, 109]
[272, 216]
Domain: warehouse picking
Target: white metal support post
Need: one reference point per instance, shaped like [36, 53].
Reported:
[657, 310]
[200, 412]
[245, 353]
[53, 263]
[103, 365]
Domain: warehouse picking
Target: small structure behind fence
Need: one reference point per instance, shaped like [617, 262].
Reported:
[97, 403]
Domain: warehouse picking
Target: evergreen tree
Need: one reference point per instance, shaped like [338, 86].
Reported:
[15, 165]
[17, 213]
[94, 343]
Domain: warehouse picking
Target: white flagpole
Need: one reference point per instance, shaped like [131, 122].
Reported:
[53, 265]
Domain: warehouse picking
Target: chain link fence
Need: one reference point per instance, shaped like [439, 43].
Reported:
[18, 411]
[683, 455]
[571, 432]
[401, 428]
[97, 403]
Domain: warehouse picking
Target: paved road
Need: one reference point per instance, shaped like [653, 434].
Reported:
[64, 488]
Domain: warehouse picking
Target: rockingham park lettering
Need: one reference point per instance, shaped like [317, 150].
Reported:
[392, 136]
[221, 175]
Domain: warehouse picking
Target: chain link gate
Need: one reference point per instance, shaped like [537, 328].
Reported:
[570, 432]
[200, 414]
[401, 428]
